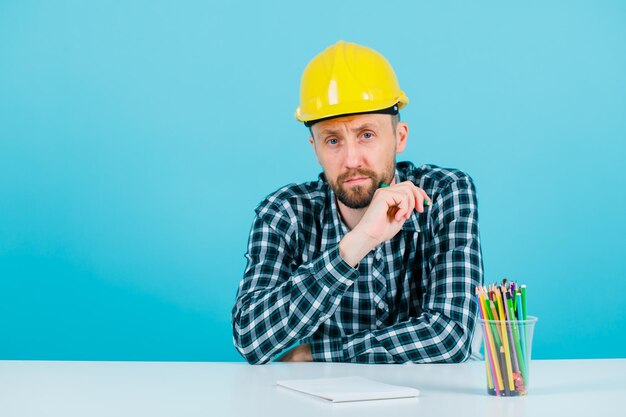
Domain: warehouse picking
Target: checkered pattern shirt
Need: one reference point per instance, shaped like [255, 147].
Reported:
[411, 299]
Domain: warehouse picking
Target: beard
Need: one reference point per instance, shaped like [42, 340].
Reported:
[360, 196]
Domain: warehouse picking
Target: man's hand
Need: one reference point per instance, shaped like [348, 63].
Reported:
[301, 353]
[383, 219]
[389, 209]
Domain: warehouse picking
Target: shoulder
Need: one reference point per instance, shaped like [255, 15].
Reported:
[451, 190]
[295, 200]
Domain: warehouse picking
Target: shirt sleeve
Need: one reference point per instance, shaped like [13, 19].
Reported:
[443, 330]
[280, 302]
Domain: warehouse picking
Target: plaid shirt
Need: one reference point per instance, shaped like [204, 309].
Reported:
[411, 299]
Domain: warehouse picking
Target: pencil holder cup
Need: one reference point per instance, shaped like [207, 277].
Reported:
[507, 346]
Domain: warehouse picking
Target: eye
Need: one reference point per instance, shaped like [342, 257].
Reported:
[368, 135]
[332, 141]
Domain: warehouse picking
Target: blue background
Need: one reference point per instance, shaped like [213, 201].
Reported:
[136, 138]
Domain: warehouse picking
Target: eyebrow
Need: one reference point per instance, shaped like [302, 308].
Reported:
[364, 126]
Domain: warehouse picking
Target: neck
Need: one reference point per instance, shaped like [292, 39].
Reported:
[351, 217]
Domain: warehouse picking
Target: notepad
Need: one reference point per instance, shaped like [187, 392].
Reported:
[346, 389]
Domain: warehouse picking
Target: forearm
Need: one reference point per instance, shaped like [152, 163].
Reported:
[355, 246]
[268, 319]
[430, 338]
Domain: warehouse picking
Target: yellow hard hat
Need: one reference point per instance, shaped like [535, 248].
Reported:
[347, 78]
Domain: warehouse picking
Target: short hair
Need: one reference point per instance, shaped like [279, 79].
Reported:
[395, 119]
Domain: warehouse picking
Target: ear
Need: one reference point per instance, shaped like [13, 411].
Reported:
[312, 142]
[402, 134]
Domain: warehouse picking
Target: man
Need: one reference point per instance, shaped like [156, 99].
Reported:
[375, 262]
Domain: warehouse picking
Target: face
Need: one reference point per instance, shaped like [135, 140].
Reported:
[358, 153]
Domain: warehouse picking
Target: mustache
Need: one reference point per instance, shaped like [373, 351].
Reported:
[356, 173]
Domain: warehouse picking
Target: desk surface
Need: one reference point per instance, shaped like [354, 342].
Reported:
[39, 388]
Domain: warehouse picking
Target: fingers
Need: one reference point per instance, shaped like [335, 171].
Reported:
[398, 204]
[412, 206]
[401, 205]
[416, 198]
[426, 199]
[404, 210]
[402, 199]
[421, 198]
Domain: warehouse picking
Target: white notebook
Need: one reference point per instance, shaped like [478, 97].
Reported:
[353, 388]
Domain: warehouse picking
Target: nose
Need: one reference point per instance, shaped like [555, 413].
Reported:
[353, 154]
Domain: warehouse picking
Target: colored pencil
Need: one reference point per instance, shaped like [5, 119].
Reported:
[489, 365]
[520, 316]
[508, 382]
[510, 317]
[493, 342]
[524, 302]
[505, 339]
[494, 316]
[521, 361]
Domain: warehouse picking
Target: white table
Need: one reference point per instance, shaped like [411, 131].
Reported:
[66, 389]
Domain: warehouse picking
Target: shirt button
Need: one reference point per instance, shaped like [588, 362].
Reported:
[378, 256]
[381, 306]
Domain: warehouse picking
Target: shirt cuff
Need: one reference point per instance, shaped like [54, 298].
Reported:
[333, 271]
